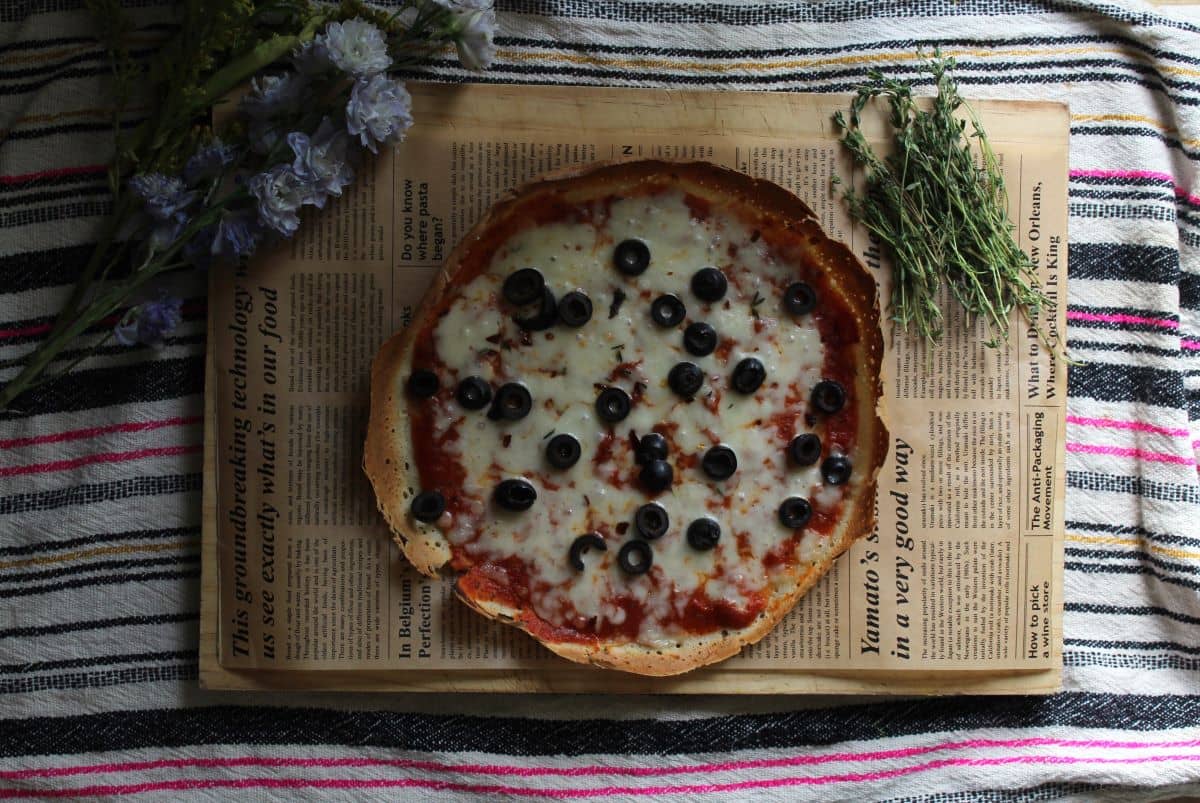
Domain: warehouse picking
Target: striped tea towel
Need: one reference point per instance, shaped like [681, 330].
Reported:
[100, 472]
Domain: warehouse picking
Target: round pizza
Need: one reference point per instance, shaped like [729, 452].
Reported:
[635, 414]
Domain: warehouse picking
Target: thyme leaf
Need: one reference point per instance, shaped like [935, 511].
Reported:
[755, 303]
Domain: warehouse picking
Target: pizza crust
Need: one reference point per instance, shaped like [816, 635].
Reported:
[388, 452]
[389, 459]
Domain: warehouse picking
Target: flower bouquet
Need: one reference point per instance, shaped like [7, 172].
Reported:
[323, 88]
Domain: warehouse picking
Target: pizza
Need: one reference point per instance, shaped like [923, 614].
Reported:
[635, 414]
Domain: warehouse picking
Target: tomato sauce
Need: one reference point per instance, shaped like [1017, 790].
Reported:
[706, 615]
[505, 581]
[784, 425]
[605, 449]
[724, 349]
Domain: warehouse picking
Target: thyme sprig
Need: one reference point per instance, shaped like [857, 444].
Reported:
[940, 207]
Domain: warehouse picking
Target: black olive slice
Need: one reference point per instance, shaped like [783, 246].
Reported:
[631, 257]
[523, 286]
[836, 470]
[428, 506]
[613, 404]
[651, 446]
[512, 402]
[515, 495]
[685, 379]
[703, 534]
[563, 451]
[474, 393]
[828, 396]
[545, 317]
[805, 449]
[656, 475]
[667, 310]
[799, 299]
[709, 284]
[575, 309]
[651, 521]
[700, 339]
[635, 557]
[719, 462]
[748, 375]
[794, 512]
[423, 384]
[581, 545]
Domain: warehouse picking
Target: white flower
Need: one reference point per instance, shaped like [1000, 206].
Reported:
[379, 110]
[474, 29]
[356, 47]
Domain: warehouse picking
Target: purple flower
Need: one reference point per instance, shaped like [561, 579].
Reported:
[280, 192]
[263, 135]
[198, 249]
[236, 235]
[165, 197]
[208, 162]
[356, 47]
[379, 110]
[150, 321]
[321, 161]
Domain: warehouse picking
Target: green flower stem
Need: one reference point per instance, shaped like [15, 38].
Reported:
[238, 71]
[67, 316]
[107, 236]
[103, 306]
[67, 328]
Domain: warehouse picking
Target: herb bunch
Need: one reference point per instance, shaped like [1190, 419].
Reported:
[322, 90]
[939, 210]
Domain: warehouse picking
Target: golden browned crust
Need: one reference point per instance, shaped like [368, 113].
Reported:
[388, 450]
[388, 453]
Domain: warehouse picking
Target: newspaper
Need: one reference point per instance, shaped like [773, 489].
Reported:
[964, 569]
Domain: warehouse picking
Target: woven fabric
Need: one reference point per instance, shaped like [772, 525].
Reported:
[100, 471]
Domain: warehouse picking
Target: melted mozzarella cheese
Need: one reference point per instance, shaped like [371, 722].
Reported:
[563, 368]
